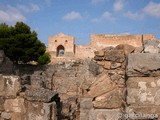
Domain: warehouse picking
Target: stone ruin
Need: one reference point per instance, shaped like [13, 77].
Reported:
[119, 83]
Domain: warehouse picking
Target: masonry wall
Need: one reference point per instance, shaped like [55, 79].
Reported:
[84, 51]
[105, 40]
[97, 42]
[149, 37]
[66, 41]
[122, 82]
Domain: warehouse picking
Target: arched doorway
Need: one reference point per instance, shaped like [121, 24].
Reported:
[60, 51]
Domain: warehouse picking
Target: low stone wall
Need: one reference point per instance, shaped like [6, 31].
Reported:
[33, 104]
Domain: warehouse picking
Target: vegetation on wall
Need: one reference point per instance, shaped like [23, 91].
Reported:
[21, 44]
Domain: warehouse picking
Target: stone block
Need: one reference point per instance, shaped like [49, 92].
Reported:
[143, 109]
[86, 103]
[84, 114]
[14, 105]
[101, 85]
[115, 65]
[151, 49]
[138, 50]
[37, 81]
[9, 86]
[115, 77]
[94, 68]
[98, 58]
[41, 95]
[143, 91]
[104, 114]
[18, 116]
[110, 100]
[143, 64]
[99, 53]
[39, 111]
[126, 48]
[151, 46]
[107, 65]
[100, 63]
[114, 55]
[6, 115]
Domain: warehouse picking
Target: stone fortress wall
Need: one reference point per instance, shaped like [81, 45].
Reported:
[119, 83]
[65, 43]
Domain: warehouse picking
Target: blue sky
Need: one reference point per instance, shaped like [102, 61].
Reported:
[80, 18]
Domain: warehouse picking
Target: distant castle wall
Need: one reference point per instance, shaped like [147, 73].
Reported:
[62, 46]
[84, 51]
[104, 40]
[149, 37]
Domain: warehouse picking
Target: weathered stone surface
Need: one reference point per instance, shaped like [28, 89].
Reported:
[86, 103]
[39, 111]
[9, 86]
[138, 50]
[1, 103]
[104, 114]
[115, 77]
[145, 64]
[99, 53]
[151, 46]
[104, 64]
[98, 58]
[15, 105]
[101, 63]
[143, 109]
[114, 55]
[41, 95]
[18, 116]
[151, 49]
[110, 100]
[115, 65]
[94, 68]
[102, 85]
[37, 81]
[6, 115]
[126, 48]
[143, 91]
[84, 114]
[107, 64]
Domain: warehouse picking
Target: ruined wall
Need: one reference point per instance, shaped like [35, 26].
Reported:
[141, 80]
[143, 86]
[149, 37]
[84, 51]
[118, 82]
[105, 40]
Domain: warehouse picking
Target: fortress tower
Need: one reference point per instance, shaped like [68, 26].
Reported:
[61, 46]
